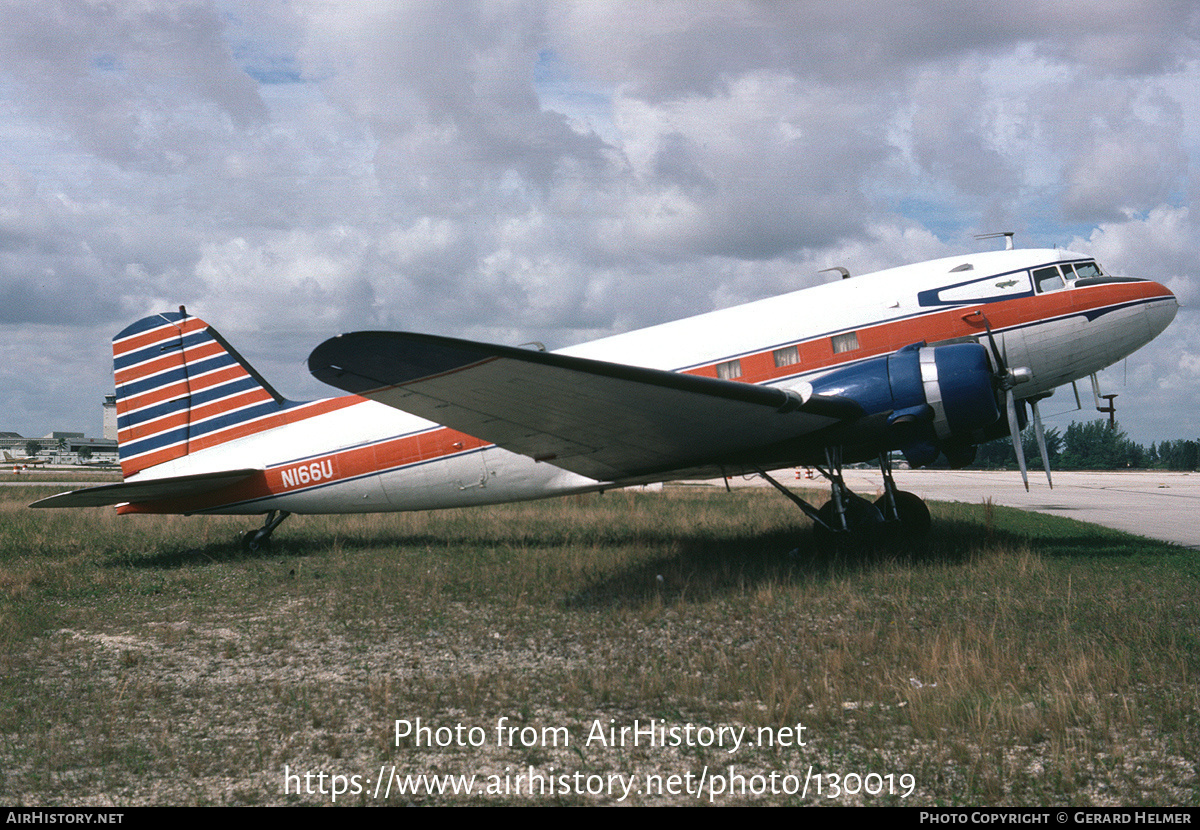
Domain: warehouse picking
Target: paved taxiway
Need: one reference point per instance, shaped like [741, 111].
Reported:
[1160, 505]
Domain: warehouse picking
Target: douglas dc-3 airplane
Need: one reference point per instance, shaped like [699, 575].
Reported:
[929, 359]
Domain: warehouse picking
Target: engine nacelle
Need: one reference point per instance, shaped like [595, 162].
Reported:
[936, 396]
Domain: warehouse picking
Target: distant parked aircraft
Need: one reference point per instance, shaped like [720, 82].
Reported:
[27, 461]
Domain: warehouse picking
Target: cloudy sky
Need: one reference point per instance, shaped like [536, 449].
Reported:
[557, 171]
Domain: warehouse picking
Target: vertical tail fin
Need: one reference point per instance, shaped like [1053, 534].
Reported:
[180, 384]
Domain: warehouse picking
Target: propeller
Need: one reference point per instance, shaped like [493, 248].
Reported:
[1004, 380]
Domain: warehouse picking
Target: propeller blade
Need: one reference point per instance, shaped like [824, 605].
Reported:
[1014, 427]
[1041, 441]
[1001, 363]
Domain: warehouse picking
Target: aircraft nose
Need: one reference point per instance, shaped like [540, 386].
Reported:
[1161, 310]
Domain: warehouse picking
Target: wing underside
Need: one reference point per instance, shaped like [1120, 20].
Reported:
[607, 421]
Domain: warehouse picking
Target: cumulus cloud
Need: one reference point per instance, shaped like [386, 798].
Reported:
[136, 84]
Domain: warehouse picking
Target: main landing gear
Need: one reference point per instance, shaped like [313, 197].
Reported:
[253, 540]
[896, 515]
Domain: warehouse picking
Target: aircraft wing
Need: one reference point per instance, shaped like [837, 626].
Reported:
[146, 491]
[607, 421]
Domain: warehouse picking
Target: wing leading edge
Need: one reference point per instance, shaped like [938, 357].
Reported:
[607, 421]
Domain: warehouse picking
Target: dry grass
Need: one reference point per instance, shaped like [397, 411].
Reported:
[40, 475]
[1010, 659]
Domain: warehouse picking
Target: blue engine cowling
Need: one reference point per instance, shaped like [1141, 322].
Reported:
[936, 396]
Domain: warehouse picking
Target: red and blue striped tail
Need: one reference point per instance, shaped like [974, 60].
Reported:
[181, 388]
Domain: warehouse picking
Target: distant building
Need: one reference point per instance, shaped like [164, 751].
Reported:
[110, 417]
[62, 447]
[68, 446]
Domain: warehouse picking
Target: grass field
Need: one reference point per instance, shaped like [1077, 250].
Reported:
[57, 474]
[1011, 658]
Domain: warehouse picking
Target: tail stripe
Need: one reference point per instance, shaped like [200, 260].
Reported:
[194, 430]
[294, 412]
[180, 389]
[156, 350]
[166, 362]
[158, 410]
[156, 335]
[146, 330]
[197, 417]
[180, 373]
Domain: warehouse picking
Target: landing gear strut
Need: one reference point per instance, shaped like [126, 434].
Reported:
[897, 514]
[253, 540]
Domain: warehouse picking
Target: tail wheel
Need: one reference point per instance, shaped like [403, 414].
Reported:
[255, 540]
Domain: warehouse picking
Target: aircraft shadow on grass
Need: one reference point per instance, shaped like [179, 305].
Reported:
[697, 567]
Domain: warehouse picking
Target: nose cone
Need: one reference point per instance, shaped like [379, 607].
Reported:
[1161, 310]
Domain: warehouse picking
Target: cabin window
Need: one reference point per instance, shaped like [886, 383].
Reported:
[729, 370]
[1048, 279]
[847, 342]
[787, 356]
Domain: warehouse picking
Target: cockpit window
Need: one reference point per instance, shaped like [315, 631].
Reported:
[1048, 278]
[1087, 269]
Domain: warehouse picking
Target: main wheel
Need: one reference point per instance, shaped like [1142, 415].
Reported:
[862, 517]
[914, 515]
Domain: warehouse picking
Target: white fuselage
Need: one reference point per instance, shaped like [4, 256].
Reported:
[367, 457]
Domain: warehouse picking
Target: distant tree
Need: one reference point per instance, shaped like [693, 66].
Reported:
[1136, 456]
[1191, 455]
[1097, 445]
[1179, 455]
[85, 453]
[999, 454]
[1093, 445]
[1054, 444]
[995, 455]
[32, 448]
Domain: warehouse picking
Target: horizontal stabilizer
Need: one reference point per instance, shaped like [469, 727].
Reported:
[146, 491]
[607, 421]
